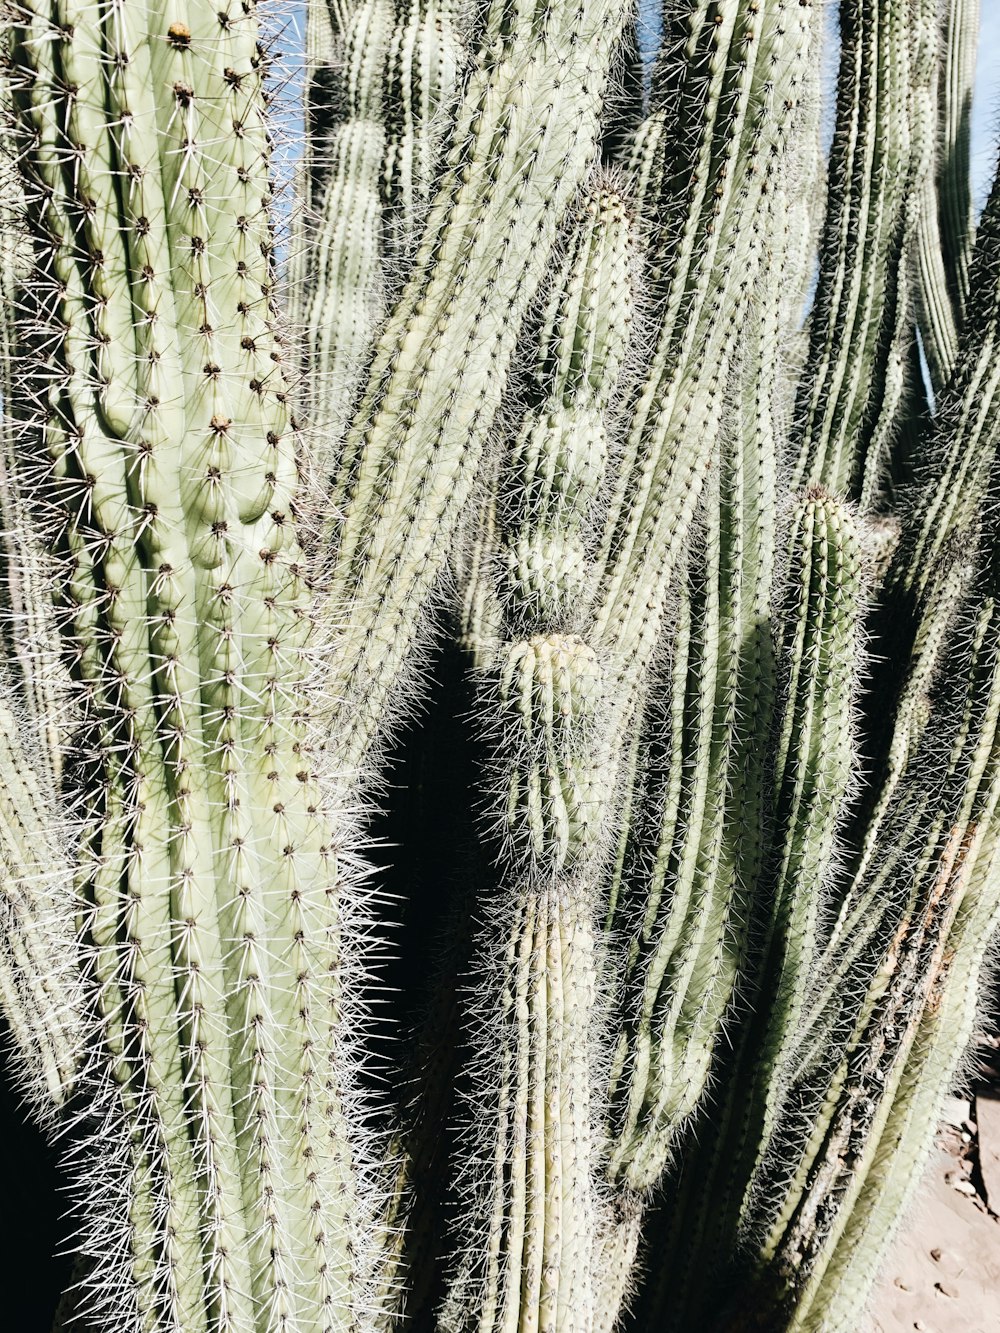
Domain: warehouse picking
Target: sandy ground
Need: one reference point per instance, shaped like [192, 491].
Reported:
[943, 1274]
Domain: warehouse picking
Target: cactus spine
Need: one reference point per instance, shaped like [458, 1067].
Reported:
[561, 421]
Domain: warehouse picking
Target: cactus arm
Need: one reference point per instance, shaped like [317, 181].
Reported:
[537, 1266]
[694, 1239]
[479, 611]
[42, 982]
[618, 1243]
[551, 690]
[755, 62]
[635, 771]
[860, 249]
[538, 1261]
[856, 934]
[930, 568]
[96, 452]
[912, 715]
[886, 425]
[815, 755]
[901, 397]
[864, 1094]
[946, 1028]
[645, 164]
[535, 517]
[438, 372]
[851, 1125]
[814, 769]
[954, 189]
[683, 661]
[932, 565]
[811, 777]
[424, 67]
[674, 945]
[334, 226]
[945, 230]
[326, 24]
[625, 104]
[549, 485]
[746, 526]
[964, 441]
[939, 317]
[911, 834]
[30, 629]
[337, 293]
[944, 877]
[702, 954]
[939, 332]
[656, 764]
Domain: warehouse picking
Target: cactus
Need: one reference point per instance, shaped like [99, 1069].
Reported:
[530, 404]
[207, 861]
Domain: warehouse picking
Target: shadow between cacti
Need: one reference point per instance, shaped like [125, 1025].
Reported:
[33, 1226]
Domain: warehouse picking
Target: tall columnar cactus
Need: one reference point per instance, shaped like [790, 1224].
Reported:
[207, 862]
[532, 398]
[424, 62]
[840, 423]
[338, 302]
[536, 1254]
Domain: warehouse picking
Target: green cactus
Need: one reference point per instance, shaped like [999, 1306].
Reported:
[531, 1262]
[531, 405]
[207, 861]
[424, 63]
[338, 303]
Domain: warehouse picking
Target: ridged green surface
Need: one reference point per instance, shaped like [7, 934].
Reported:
[822, 1248]
[214, 892]
[529, 1263]
[29, 627]
[532, 1256]
[552, 692]
[712, 793]
[596, 377]
[437, 375]
[853, 320]
[963, 442]
[819, 654]
[817, 665]
[40, 990]
[740, 85]
[423, 73]
[679, 958]
[939, 318]
[954, 187]
[529, 560]
[339, 300]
